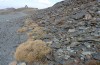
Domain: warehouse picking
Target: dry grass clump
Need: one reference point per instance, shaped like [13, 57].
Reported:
[29, 23]
[32, 26]
[21, 30]
[38, 29]
[32, 29]
[29, 34]
[32, 51]
[36, 33]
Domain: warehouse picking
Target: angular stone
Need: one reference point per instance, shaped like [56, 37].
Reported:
[87, 53]
[60, 52]
[74, 44]
[88, 17]
[78, 15]
[59, 56]
[98, 19]
[87, 45]
[69, 49]
[98, 0]
[96, 56]
[98, 12]
[66, 57]
[71, 30]
[56, 45]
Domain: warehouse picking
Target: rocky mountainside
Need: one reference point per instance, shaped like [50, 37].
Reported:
[70, 30]
[73, 28]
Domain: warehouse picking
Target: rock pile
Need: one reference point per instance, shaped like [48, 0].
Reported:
[73, 31]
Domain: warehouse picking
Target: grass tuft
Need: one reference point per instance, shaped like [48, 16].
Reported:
[32, 51]
[21, 30]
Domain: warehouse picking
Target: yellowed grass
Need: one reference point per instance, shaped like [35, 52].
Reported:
[32, 51]
[21, 30]
[29, 34]
[28, 21]
[38, 32]
[38, 29]
[33, 25]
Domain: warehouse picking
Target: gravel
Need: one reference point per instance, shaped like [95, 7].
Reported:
[9, 39]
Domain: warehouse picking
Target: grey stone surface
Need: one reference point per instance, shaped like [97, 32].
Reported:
[9, 39]
[98, 0]
[56, 43]
[96, 56]
[79, 15]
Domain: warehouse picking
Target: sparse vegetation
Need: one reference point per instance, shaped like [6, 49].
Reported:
[32, 51]
[36, 31]
[21, 30]
[28, 22]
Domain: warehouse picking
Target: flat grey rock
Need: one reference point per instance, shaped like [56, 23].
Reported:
[96, 56]
[78, 15]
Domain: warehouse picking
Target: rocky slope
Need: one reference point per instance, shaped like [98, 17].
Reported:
[73, 28]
